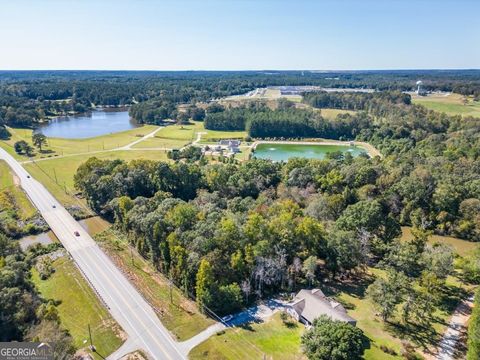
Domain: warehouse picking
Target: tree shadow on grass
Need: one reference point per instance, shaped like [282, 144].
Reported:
[46, 151]
[290, 324]
[366, 343]
[247, 327]
[423, 335]
[450, 297]
[354, 286]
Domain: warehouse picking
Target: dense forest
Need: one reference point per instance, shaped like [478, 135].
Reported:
[231, 233]
[234, 232]
[289, 123]
[28, 97]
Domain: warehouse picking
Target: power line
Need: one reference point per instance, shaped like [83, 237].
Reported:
[175, 285]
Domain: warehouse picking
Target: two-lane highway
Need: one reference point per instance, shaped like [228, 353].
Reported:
[129, 309]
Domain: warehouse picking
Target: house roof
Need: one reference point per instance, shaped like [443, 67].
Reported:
[230, 142]
[310, 304]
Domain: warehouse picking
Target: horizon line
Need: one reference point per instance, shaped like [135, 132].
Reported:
[244, 70]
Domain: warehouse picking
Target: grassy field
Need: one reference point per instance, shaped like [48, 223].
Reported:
[213, 136]
[57, 173]
[451, 104]
[60, 146]
[181, 316]
[177, 136]
[7, 184]
[6, 177]
[172, 136]
[79, 307]
[331, 114]
[273, 339]
[462, 247]
[352, 296]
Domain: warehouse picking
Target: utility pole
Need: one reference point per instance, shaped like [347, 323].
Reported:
[170, 287]
[55, 174]
[90, 336]
[131, 256]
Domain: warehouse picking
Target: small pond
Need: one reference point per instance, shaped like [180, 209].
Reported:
[95, 123]
[92, 225]
[283, 152]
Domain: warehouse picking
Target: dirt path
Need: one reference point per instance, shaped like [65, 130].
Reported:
[449, 347]
[196, 141]
[150, 135]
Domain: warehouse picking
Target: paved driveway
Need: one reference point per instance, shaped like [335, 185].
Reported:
[257, 313]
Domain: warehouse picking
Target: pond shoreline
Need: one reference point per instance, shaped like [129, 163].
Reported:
[96, 122]
[93, 225]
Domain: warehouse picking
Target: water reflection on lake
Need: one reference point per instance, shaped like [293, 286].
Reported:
[92, 225]
[95, 123]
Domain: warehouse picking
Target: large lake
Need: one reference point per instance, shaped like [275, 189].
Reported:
[281, 152]
[95, 123]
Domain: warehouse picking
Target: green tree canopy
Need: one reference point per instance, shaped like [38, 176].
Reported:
[333, 340]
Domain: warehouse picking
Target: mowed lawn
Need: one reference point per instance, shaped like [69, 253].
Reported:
[462, 247]
[177, 136]
[61, 146]
[210, 136]
[451, 104]
[79, 307]
[269, 340]
[352, 296]
[57, 173]
[172, 136]
[178, 314]
[22, 205]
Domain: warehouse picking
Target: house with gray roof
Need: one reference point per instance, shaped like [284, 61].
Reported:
[230, 143]
[311, 304]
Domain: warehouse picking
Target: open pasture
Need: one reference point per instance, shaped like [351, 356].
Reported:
[449, 103]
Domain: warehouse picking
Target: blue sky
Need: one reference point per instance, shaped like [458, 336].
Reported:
[239, 34]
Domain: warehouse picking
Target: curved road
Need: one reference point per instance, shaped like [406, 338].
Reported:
[129, 309]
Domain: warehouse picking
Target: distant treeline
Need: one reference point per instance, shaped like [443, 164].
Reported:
[354, 101]
[262, 122]
[27, 97]
[288, 122]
